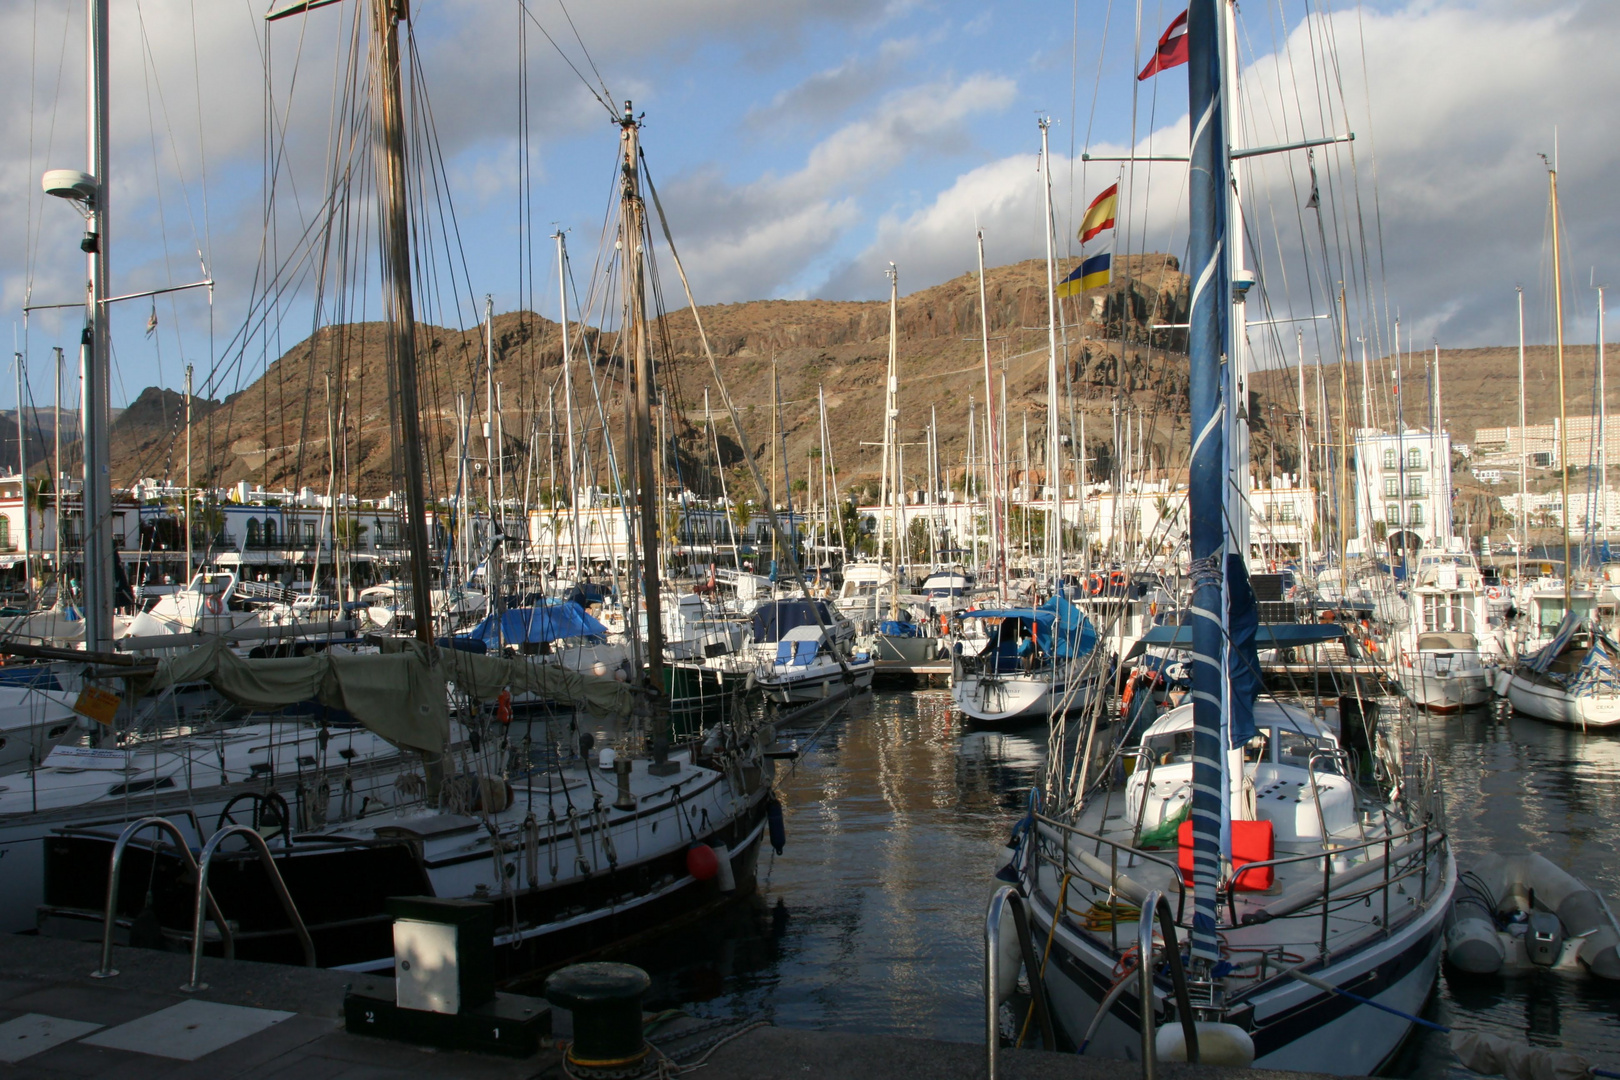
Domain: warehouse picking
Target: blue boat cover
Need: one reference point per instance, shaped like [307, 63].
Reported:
[534, 624]
[1267, 636]
[1056, 620]
[775, 619]
[1543, 657]
[895, 628]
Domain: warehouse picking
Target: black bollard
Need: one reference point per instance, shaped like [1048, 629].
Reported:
[605, 1000]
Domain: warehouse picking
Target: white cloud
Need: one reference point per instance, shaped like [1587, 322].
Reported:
[1456, 102]
[733, 236]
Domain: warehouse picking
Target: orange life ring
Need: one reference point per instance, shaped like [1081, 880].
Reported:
[214, 604]
[1095, 584]
[1117, 579]
[503, 707]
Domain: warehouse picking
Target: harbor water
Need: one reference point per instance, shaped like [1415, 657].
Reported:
[897, 818]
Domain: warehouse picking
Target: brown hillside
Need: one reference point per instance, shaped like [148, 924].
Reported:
[274, 433]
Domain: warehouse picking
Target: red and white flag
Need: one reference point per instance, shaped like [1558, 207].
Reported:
[1172, 50]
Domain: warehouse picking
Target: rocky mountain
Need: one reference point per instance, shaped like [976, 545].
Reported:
[275, 432]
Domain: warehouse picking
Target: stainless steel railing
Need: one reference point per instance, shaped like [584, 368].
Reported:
[271, 871]
[1156, 906]
[114, 869]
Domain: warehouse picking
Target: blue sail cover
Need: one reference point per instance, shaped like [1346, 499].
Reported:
[1242, 657]
[1544, 657]
[535, 624]
[1068, 627]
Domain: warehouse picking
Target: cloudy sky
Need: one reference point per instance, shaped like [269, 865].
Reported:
[802, 145]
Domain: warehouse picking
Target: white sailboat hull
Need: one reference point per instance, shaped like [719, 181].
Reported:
[1295, 1026]
[1008, 697]
[1545, 701]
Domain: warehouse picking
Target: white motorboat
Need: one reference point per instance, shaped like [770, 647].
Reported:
[809, 666]
[1445, 673]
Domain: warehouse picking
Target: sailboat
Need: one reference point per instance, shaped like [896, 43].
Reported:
[1037, 661]
[1574, 678]
[1243, 832]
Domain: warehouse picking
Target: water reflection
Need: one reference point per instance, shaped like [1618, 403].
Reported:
[897, 818]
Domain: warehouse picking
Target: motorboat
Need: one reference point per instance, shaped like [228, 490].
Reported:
[808, 665]
[1444, 672]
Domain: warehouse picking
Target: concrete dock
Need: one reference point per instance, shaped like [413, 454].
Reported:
[262, 1021]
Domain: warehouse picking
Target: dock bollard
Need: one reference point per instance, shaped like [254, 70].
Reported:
[605, 1000]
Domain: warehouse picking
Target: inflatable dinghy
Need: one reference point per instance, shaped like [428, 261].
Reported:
[1515, 913]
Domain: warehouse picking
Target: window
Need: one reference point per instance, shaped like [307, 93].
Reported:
[1392, 514]
[1414, 515]
[1288, 511]
[1414, 458]
[1414, 486]
[1389, 457]
[5, 533]
[309, 534]
[1392, 487]
[269, 532]
[254, 536]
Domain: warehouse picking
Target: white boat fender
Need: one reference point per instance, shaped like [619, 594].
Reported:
[1218, 1044]
[1009, 954]
[726, 876]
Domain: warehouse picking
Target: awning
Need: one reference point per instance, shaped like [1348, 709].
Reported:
[1269, 636]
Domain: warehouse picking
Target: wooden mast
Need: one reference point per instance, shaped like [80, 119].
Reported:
[388, 145]
[638, 422]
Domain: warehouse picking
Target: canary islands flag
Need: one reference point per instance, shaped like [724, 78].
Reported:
[1092, 272]
[1100, 214]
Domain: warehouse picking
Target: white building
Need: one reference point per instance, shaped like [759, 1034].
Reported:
[1403, 489]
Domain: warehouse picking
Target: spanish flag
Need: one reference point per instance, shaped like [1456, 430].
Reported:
[1090, 274]
[1100, 214]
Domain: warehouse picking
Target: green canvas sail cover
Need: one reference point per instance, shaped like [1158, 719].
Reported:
[400, 693]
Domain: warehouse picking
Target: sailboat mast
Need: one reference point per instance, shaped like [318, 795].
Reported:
[56, 482]
[1558, 332]
[891, 415]
[1054, 459]
[640, 417]
[1524, 458]
[568, 402]
[389, 150]
[22, 471]
[330, 450]
[96, 352]
[1603, 431]
[1207, 348]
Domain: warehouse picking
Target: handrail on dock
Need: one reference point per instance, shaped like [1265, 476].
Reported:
[263, 850]
[115, 867]
[1006, 898]
[1156, 905]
